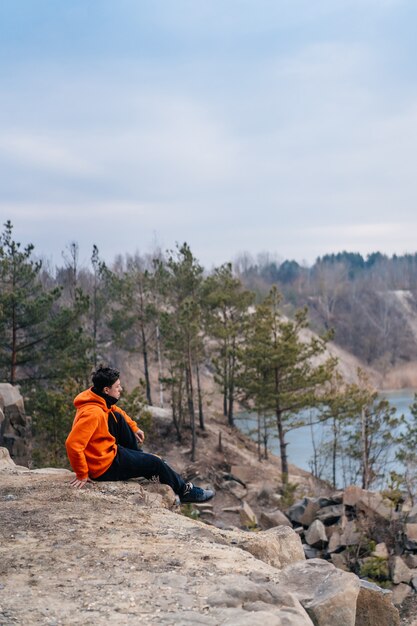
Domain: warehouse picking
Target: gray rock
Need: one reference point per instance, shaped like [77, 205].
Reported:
[375, 606]
[260, 601]
[247, 516]
[400, 593]
[278, 546]
[269, 519]
[330, 514]
[316, 536]
[381, 551]
[15, 425]
[412, 515]
[339, 561]
[410, 539]
[303, 512]
[328, 594]
[399, 571]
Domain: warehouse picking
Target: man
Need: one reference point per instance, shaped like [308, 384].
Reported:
[103, 442]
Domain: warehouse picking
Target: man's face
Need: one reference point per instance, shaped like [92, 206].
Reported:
[115, 390]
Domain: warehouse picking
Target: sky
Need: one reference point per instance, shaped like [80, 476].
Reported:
[280, 126]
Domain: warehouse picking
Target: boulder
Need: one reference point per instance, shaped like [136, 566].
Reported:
[247, 516]
[304, 511]
[269, 519]
[6, 461]
[400, 593]
[369, 502]
[257, 600]
[330, 514]
[242, 472]
[399, 571]
[316, 535]
[410, 535]
[352, 495]
[328, 594]
[335, 543]
[15, 425]
[410, 560]
[350, 535]
[381, 551]
[236, 489]
[278, 546]
[375, 606]
[339, 561]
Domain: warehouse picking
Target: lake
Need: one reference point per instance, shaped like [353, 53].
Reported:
[300, 447]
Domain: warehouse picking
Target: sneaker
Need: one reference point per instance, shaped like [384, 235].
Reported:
[195, 494]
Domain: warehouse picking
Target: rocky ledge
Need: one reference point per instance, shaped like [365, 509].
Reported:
[117, 553]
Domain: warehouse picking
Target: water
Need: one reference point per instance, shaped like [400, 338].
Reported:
[300, 447]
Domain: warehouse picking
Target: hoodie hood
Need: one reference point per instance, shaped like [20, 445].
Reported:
[89, 397]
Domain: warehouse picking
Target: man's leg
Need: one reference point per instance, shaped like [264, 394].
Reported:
[137, 464]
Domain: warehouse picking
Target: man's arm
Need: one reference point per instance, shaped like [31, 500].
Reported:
[139, 434]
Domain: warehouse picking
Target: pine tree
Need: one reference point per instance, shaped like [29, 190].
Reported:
[226, 307]
[180, 279]
[278, 372]
[25, 309]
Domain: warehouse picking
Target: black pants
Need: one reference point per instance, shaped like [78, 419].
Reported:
[130, 462]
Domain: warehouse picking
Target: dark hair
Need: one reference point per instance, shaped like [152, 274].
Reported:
[104, 377]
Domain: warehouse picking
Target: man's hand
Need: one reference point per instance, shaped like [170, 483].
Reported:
[79, 483]
[140, 436]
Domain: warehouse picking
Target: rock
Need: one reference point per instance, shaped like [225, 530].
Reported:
[381, 551]
[399, 571]
[316, 535]
[351, 495]
[236, 489]
[311, 553]
[159, 413]
[304, 511]
[339, 561]
[269, 519]
[15, 425]
[410, 560]
[5, 459]
[242, 472]
[400, 593]
[335, 543]
[278, 546]
[412, 515]
[247, 516]
[414, 580]
[328, 594]
[374, 606]
[330, 514]
[368, 501]
[350, 535]
[256, 599]
[410, 539]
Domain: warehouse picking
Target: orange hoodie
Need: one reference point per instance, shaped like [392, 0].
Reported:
[90, 447]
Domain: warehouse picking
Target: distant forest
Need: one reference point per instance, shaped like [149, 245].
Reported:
[368, 302]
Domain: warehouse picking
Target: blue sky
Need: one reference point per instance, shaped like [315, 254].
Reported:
[280, 126]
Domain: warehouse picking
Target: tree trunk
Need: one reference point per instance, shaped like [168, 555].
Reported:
[281, 433]
[231, 393]
[365, 452]
[334, 452]
[13, 365]
[200, 399]
[282, 447]
[190, 403]
[145, 365]
[158, 350]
